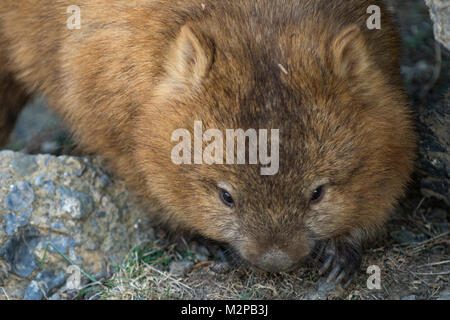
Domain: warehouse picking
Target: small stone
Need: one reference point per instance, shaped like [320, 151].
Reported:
[405, 236]
[12, 224]
[55, 296]
[440, 14]
[50, 147]
[221, 267]
[24, 216]
[21, 197]
[33, 292]
[48, 186]
[23, 165]
[49, 280]
[180, 268]
[18, 253]
[62, 244]
[323, 290]
[78, 204]
[104, 181]
[411, 297]
[39, 178]
[57, 225]
[445, 294]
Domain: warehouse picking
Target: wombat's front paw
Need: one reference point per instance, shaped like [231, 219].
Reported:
[342, 257]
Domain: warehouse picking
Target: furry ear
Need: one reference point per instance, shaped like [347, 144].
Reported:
[190, 58]
[349, 52]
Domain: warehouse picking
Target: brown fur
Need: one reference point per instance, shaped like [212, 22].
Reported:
[138, 70]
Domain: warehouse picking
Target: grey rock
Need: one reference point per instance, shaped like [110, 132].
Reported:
[23, 166]
[18, 253]
[323, 289]
[104, 180]
[61, 244]
[405, 236]
[59, 209]
[221, 267]
[12, 224]
[180, 268]
[24, 216]
[49, 280]
[411, 297]
[49, 186]
[434, 150]
[440, 14]
[21, 197]
[445, 294]
[33, 292]
[78, 204]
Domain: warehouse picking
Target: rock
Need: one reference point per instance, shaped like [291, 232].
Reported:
[323, 289]
[445, 294]
[180, 268]
[405, 236]
[434, 122]
[33, 292]
[44, 282]
[12, 224]
[411, 297]
[221, 267]
[440, 14]
[78, 204]
[18, 252]
[58, 211]
[21, 197]
[434, 150]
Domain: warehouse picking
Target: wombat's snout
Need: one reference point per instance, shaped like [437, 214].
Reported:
[275, 253]
[275, 260]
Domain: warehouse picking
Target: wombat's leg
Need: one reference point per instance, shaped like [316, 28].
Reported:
[342, 257]
[13, 98]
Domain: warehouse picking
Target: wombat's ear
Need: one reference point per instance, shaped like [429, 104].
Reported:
[190, 58]
[349, 50]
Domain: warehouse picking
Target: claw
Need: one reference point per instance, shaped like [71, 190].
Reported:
[320, 253]
[350, 279]
[341, 276]
[334, 273]
[343, 257]
[326, 265]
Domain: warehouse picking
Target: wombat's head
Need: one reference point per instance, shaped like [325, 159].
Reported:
[345, 141]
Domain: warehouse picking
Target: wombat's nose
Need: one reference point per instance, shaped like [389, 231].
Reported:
[275, 260]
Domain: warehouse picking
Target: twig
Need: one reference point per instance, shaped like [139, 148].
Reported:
[6, 295]
[430, 240]
[434, 264]
[431, 273]
[168, 276]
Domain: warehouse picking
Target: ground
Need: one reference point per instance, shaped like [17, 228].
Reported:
[413, 255]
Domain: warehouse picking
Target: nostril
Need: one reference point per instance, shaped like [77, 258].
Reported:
[275, 261]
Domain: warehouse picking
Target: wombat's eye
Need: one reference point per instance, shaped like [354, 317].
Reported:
[317, 195]
[226, 198]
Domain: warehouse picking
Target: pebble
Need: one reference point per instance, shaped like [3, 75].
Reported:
[181, 268]
[78, 204]
[21, 197]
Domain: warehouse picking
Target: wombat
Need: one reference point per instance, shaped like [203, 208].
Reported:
[132, 73]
